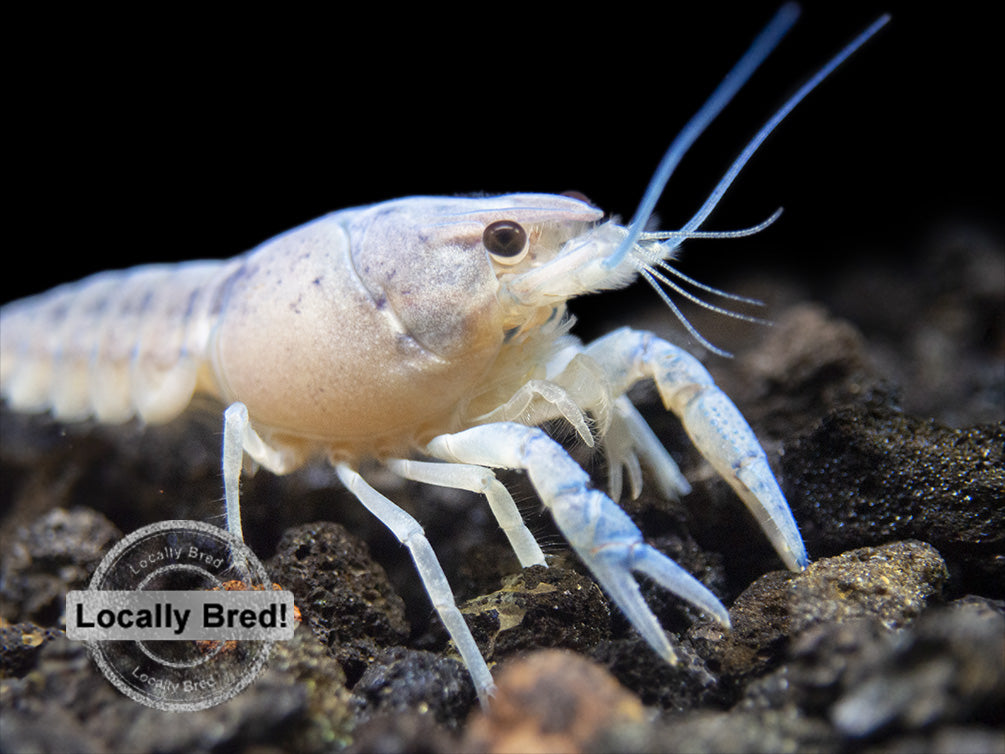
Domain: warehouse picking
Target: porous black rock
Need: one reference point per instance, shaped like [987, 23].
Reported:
[868, 474]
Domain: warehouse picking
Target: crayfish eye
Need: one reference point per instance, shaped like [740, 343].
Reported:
[506, 241]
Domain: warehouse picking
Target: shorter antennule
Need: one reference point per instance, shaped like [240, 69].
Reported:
[654, 251]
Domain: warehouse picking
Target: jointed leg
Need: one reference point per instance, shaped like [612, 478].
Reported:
[630, 440]
[538, 401]
[410, 534]
[481, 480]
[574, 385]
[239, 438]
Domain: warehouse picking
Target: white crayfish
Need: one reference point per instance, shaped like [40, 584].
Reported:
[424, 325]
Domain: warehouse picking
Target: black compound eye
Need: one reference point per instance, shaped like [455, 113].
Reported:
[506, 241]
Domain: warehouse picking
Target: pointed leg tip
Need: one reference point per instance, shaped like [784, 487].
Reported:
[669, 656]
[485, 695]
[796, 560]
[725, 622]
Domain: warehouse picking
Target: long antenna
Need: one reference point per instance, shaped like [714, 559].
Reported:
[762, 46]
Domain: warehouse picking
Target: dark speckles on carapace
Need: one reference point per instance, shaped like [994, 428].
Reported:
[144, 304]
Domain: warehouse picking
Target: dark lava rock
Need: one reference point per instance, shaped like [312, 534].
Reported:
[326, 716]
[404, 681]
[685, 685]
[713, 732]
[402, 733]
[551, 700]
[49, 709]
[809, 359]
[42, 562]
[894, 583]
[947, 668]
[342, 592]
[852, 681]
[65, 704]
[954, 739]
[943, 673]
[539, 607]
[20, 645]
[935, 325]
[868, 474]
[890, 583]
[816, 662]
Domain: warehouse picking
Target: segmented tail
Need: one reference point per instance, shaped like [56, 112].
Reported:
[112, 346]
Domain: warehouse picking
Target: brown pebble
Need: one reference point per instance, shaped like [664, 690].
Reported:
[551, 701]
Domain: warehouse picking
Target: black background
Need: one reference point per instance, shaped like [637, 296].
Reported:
[136, 140]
